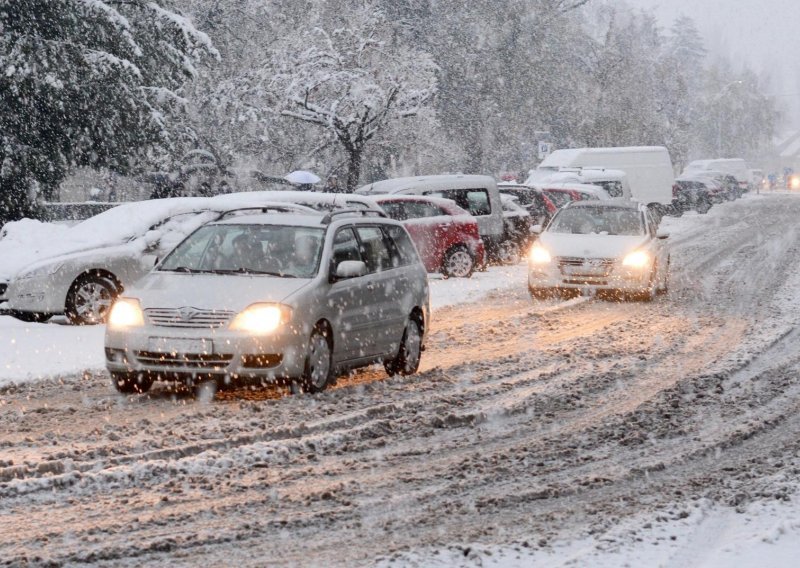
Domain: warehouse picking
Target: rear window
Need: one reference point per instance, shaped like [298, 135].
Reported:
[476, 201]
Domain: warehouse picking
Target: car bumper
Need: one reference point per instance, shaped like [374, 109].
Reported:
[33, 295]
[618, 279]
[169, 353]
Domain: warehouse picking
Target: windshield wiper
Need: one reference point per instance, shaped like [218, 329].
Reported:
[251, 271]
[183, 269]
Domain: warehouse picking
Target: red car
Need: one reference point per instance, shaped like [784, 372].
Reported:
[446, 236]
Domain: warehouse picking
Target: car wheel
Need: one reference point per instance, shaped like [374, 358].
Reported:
[665, 281]
[131, 383]
[89, 299]
[319, 363]
[458, 262]
[649, 294]
[31, 317]
[410, 353]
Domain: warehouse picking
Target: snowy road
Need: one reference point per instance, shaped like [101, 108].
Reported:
[526, 426]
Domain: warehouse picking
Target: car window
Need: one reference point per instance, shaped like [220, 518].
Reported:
[559, 198]
[394, 209]
[404, 252]
[373, 249]
[345, 246]
[278, 250]
[476, 201]
[420, 210]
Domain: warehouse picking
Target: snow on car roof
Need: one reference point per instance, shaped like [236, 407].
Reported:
[292, 219]
[310, 198]
[610, 203]
[455, 181]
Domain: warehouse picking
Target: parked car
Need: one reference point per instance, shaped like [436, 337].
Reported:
[564, 193]
[539, 205]
[477, 195]
[78, 271]
[691, 194]
[734, 167]
[725, 186]
[518, 229]
[274, 297]
[445, 235]
[604, 246]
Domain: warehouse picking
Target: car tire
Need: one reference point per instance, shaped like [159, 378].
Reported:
[649, 294]
[458, 263]
[90, 298]
[131, 383]
[409, 354]
[664, 288]
[31, 317]
[318, 371]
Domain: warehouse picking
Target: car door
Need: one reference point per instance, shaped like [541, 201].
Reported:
[351, 302]
[382, 291]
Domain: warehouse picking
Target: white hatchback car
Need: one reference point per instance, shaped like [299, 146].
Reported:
[287, 297]
[601, 245]
[48, 269]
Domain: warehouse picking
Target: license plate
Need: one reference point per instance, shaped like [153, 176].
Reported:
[583, 270]
[177, 345]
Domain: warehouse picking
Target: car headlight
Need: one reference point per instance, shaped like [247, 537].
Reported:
[45, 270]
[539, 255]
[262, 319]
[126, 312]
[636, 259]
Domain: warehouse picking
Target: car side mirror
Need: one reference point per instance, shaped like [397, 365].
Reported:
[536, 229]
[149, 260]
[350, 269]
[662, 234]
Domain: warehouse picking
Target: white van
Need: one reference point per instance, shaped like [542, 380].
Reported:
[476, 194]
[648, 169]
[736, 167]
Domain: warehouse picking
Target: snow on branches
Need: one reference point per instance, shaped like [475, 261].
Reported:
[352, 80]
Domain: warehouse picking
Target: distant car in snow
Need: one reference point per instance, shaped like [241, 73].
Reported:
[445, 235]
[563, 193]
[532, 198]
[518, 229]
[294, 297]
[48, 269]
[601, 245]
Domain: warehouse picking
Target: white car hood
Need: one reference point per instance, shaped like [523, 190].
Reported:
[591, 246]
[212, 291]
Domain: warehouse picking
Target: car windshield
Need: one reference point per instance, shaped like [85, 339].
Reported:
[276, 250]
[598, 220]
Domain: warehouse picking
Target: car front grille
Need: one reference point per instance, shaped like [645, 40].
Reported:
[572, 267]
[188, 318]
[204, 361]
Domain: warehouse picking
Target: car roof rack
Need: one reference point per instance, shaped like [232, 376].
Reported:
[275, 207]
[328, 218]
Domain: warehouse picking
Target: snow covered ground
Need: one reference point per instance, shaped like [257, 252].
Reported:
[585, 433]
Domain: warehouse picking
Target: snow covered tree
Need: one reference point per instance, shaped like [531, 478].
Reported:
[351, 80]
[86, 83]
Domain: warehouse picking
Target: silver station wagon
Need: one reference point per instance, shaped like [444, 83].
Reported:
[291, 297]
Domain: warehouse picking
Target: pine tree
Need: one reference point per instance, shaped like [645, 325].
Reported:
[86, 83]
